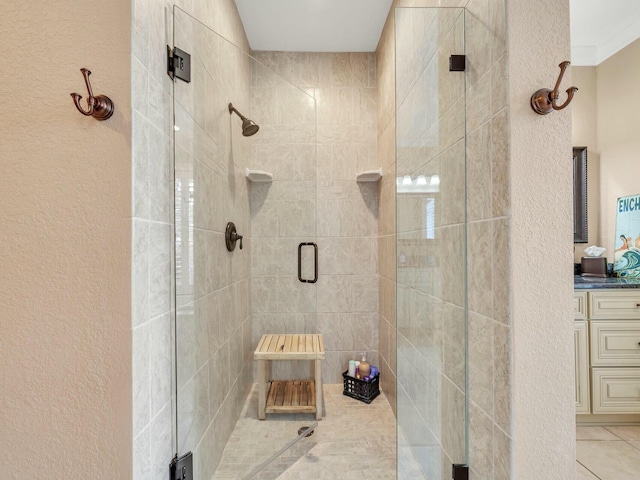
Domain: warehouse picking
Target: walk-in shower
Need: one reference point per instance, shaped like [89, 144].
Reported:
[307, 191]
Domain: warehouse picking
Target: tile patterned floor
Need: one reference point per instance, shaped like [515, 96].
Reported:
[353, 441]
[608, 453]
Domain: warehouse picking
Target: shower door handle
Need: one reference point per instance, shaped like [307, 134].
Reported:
[315, 262]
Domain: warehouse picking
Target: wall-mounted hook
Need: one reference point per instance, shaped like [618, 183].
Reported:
[544, 100]
[100, 107]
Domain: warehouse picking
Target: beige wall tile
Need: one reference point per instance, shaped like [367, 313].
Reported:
[451, 263]
[364, 293]
[481, 443]
[264, 297]
[349, 332]
[294, 296]
[501, 267]
[264, 219]
[453, 425]
[296, 218]
[295, 107]
[502, 362]
[452, 185]
[499, 165]
[478, 41]
[335, 218]
[501, 455]
[335, 106]
[426, 326]
[264, 105]
[334, 293]
[480, 260]
[478, 102]
[383, 332]
[481, 362]
[454, 344]
[365, 210]
[479, 197]
[387, 210]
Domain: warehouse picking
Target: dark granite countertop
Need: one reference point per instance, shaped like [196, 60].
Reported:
[585, 283]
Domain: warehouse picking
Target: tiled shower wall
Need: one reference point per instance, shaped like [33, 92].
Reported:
[152, 221]
[315, 197]
[487, 229]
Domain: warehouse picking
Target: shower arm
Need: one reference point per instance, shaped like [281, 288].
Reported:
[233, 109]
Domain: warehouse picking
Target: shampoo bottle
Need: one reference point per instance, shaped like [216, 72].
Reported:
[365, 368]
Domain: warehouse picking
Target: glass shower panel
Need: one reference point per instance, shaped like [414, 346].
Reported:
[226, 300]
[431, 243]
[213, 326]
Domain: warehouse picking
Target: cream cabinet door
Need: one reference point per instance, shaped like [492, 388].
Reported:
[581, 348]
[616, 390]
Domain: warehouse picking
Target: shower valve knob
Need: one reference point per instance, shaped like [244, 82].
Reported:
[237, 237]
[231, 237]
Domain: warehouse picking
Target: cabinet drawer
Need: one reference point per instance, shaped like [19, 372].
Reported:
[614, 304]
[615, 343]
[616, 390]
[580, 305]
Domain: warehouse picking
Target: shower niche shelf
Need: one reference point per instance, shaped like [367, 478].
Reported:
[369, 176]
[259, 176]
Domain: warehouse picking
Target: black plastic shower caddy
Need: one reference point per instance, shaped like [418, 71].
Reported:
[359, 389]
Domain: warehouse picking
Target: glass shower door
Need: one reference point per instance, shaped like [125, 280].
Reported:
[431, 243]
[226, 300]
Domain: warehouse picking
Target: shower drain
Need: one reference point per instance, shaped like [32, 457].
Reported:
[301, 430]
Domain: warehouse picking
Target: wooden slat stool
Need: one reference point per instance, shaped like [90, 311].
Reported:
[289, 396]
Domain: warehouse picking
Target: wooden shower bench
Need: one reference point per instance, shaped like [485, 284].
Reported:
[289, 396]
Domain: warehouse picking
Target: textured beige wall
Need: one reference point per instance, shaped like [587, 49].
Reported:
[584, 133]
[618, 141]
[541, 212]
[65, 181]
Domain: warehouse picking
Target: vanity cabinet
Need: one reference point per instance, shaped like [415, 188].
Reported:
[607, 351]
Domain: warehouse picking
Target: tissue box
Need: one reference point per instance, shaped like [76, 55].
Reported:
[593, 267]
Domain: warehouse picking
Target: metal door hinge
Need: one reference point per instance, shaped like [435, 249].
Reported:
[460, 472]
[178, 64]
[181, 468]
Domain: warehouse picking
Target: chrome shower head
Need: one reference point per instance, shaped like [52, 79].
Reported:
[249, 127]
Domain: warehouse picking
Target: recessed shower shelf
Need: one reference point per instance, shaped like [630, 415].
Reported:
[369, 176]
[258, 176]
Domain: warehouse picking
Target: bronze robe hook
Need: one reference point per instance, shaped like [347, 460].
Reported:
[544, 100]
[99, 107]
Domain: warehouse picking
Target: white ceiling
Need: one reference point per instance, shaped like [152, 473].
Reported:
[314, 25]
[600, 28]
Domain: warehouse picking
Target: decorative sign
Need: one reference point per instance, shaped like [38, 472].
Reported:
[627, 254]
